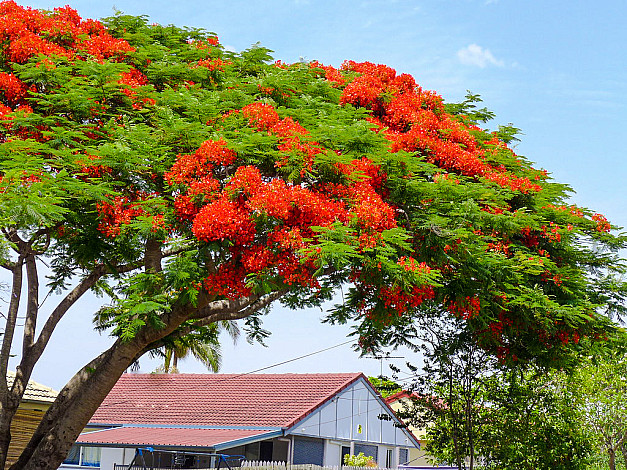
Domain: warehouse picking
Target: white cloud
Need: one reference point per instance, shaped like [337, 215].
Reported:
[478, 56]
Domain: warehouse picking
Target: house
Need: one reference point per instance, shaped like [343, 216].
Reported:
[35, 402]
[418, 458]
[295, 418]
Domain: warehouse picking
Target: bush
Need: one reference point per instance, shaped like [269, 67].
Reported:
[359, 460]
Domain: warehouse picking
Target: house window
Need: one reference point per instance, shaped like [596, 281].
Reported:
[403, 456]
[308, 451]
[389, 458]
[74, 456]
[368, 450]
[83, 456]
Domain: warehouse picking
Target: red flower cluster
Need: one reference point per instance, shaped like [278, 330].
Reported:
[466, 308]
[26, 32]
[602, 223]
[266, 221]
[116, 214]
[207, 44]
[415, 121]
[573, 210]
[195, 173]
[332, 74]
[13, 89]
[213, 64]
[496, 327]
[291, 135]
[132, 80]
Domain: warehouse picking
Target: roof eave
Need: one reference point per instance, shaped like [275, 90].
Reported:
[248, 440]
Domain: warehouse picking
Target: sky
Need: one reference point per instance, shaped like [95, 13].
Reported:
[556, 69]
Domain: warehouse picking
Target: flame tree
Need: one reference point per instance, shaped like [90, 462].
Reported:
[192, 185]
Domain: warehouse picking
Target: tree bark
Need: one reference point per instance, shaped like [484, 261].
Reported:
[8, 405]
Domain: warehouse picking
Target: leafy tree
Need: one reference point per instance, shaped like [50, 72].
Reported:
[600, 386]
[481, 413]
[532, 423]
[191, 185]
[449, 394]
[385, 386]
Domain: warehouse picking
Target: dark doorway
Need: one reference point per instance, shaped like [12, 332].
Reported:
[346, 450]
[265, 451]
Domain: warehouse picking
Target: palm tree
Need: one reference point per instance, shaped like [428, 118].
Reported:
[204, 346]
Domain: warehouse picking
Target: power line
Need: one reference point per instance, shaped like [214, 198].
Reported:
[285, 362]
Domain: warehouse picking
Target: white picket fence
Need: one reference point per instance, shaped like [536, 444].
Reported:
[260, 465]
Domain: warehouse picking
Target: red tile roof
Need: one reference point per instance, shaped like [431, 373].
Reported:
[259, 400]
[164, 437]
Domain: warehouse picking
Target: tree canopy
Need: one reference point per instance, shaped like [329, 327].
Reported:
[190, 184]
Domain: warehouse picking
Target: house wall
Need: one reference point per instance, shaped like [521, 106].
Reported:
[111, 455]
[333, 453]
[108, 456]
[353, 419]
[24, 424]
[353, 415]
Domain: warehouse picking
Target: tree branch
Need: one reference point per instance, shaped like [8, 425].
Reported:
[220, 310]
[8, 265]
[36, 235]
[9, 330]
[37, 348]
[11, 235]
[32, 303]
[247, 305]
[153, 256]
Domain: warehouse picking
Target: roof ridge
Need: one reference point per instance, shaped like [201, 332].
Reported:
[35, 391]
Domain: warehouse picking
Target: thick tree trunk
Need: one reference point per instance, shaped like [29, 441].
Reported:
[74, 407]
[5, 434]
[8, 405]
[81, 397]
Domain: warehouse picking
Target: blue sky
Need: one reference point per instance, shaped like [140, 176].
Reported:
[556, 69]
